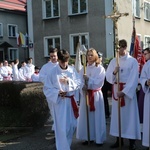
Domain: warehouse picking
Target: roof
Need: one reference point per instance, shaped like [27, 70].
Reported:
[18, 5]
[5, 44]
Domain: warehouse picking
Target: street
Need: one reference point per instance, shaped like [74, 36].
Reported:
[43, 139]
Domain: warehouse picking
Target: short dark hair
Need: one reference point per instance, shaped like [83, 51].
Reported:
[122, 43]
[146, 49]
[63, 55]
[37, 67]
[53, 50]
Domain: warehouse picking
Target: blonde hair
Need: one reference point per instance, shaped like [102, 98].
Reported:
[97, 60]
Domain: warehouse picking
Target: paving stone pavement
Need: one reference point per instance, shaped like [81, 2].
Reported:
[43, 139]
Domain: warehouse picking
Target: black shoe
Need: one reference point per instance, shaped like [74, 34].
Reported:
[116, 145]
[132, 147]
[99, 145]
[132, 144]
[86, 142]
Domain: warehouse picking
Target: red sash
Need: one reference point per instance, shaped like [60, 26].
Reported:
[121, 88]
[91, 98]
[74, 106]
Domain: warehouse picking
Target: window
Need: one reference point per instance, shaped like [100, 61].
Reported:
[12, 54]
[50, 9]
[137, 8]
[51, 41]
[147, 41]
[1, 29]
[12, 30]
[77, 7]
[147, 11]
[75, 38]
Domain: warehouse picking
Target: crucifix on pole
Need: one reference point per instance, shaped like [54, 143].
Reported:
[114, 17]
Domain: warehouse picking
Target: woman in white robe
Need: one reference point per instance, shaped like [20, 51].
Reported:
[59, 88]
[145, 82]
[95, 74]
[128, 77]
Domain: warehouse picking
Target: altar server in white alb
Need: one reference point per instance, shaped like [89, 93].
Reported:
[45, 70]
[128, 81]
[49, 65]
[92, 83]
[35, 76]
[145, 82]
[6, 71]
[15, 70]
[59, 88]
[29, 70]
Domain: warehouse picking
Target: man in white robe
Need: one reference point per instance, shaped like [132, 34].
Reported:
[29, 70]
[15, 70]
[44, 72]
[21, 70]
[128, 81]
[6, 71]
[59, 88]
[145, 82]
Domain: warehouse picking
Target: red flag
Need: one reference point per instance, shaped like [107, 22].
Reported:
[18, 39]
[136, 51]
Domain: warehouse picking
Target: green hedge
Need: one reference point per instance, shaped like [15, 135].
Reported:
[22, 104]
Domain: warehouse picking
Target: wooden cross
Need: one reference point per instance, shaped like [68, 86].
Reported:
[115, 16]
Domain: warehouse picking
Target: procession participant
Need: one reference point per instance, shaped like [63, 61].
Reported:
[145, 82]
[15, 70]
[128, 80]
[21, 70]
[59, 88]
[44, 71]
[140, 92]
[29, 70]
[6, 71]
[49, 65]
[35, 76]
[1, 65]
[95, 74]
[106, 87]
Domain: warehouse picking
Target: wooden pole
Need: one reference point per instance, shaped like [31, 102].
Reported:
[86, 100]
[115, 16]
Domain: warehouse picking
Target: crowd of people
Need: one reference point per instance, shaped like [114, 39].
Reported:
[11, 72]
[65, 88]
[64, 85]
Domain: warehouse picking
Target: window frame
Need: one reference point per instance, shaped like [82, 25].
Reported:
[16, 29]
[13, 58]
[146, 41]
[137, 4]
[146, 10]
[1, 28]
[46, 53]
[72, 50]
[52, 14]
[79, 10]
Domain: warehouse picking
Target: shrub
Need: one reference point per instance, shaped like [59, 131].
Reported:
[22, 104]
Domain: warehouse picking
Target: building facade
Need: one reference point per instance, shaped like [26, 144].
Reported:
[13, 19]
[56, 23]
